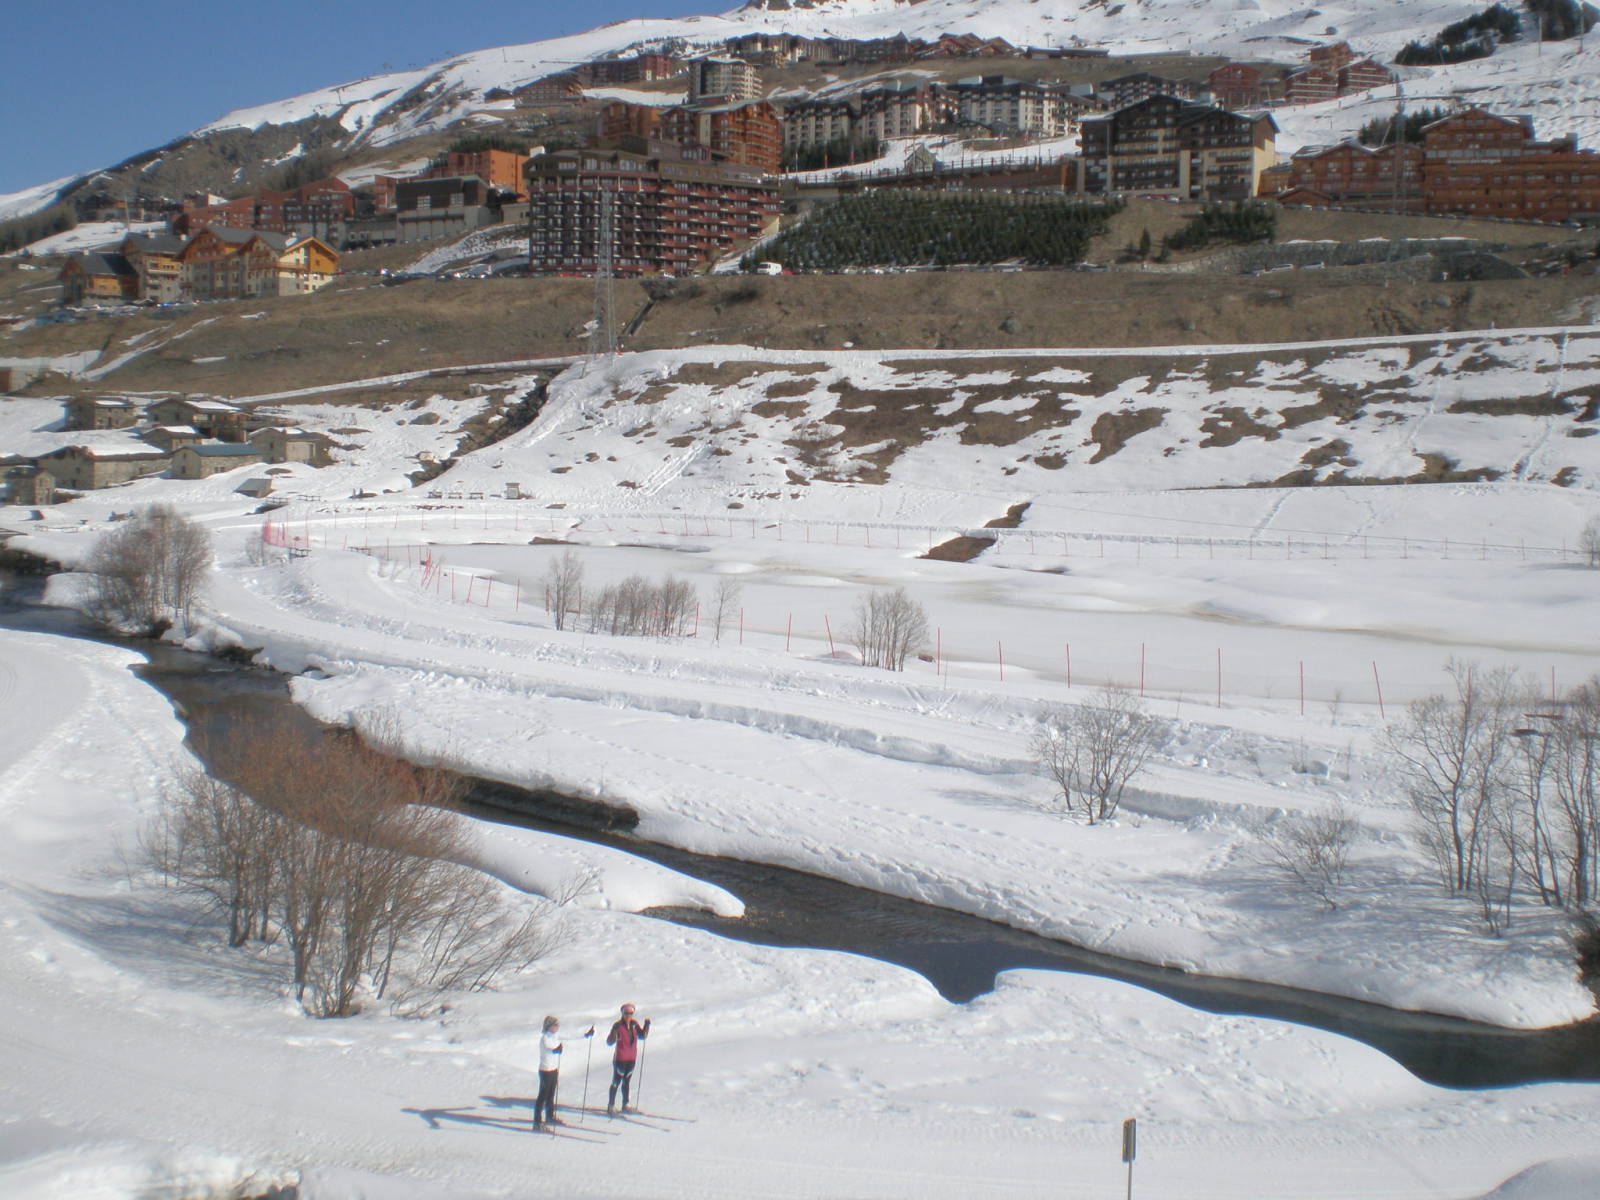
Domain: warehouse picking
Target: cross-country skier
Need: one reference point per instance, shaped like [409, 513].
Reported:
[544, 1107]
[625, 1035]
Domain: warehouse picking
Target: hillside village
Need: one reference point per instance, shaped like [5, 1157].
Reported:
[708, 160]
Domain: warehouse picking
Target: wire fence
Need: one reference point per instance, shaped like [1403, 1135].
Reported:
[901, 538]
[1269, 666]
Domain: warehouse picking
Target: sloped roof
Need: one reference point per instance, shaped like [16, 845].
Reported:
[102, 264]
[154, 243]
[222, 450]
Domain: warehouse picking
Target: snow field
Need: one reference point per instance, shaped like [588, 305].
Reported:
[141, 1047]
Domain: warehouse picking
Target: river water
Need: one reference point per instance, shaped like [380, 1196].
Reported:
[959, 954]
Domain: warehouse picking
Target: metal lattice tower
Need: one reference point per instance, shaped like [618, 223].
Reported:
[603, 334]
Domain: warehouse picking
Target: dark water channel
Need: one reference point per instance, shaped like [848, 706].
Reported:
[957, 953]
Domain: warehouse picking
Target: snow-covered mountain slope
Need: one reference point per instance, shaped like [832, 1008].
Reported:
[1549, 81]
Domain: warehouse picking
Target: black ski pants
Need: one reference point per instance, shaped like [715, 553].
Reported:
[621, 1076]
[544, 1107]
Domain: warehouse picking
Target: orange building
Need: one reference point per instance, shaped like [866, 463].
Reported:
[621, 119]
[1310, 85]
[502, 170]
[741, 133]
[1360, 177]
[672, 208]
[1237, 85]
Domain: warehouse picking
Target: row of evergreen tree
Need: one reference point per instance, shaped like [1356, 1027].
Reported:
[1474, 37]
[1226, 223]
[22, 231]
[1478, 35]
[894, 228]
[1385, 131]
[1562, 19]
[837, 153]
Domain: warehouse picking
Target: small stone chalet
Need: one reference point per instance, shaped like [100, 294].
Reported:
[213, 418]
[101, 412]
[171, 437]
[84, 468]
[293, 445]
[27, 485]
[205, 459]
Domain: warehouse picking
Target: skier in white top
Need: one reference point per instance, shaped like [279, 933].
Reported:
[544, 1108]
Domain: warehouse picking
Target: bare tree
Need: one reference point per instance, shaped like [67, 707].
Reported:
[354, 861]
[1092, 752]
[1313, 851]
[563, 582]
[216, 842]
[147, 574]
[635, 607]
[889, 626]
[1575, 782]
[1455, 760]
[724, 603]
[1589, 541]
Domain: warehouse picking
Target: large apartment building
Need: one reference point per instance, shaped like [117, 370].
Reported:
[1356, 176]
[1014, 107]
[1471, 163]
[720, 80]
[314, 209]
[1480, 164]
[747, 132]
[1167, 146]
[672, 208]
[818, 122]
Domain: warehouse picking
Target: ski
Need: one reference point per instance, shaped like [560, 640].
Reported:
[630, 1118]
[654, 1116]
[562, 1133]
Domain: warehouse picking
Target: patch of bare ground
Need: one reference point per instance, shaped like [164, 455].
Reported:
[721, 374]
[965, 548]
[1111, 431]
[1013, 517]
[959, 549]
[1527, 406]
[1231, 424]
[789, 409]
[1333, 401]
[1436, 468]
[789, 387]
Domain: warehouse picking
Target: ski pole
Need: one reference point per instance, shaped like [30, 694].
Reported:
[583, 1112]
[638, 1084]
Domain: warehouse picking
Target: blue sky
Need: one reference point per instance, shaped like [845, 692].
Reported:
[87, 83]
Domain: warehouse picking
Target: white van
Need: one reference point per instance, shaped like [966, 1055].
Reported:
[769, 268]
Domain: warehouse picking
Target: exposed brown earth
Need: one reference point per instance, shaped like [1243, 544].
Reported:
[361, 329]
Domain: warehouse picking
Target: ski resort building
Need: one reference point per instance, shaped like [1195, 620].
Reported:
[747, 132]
[1351, 175]
[671, 208]
[1477, 163]
[1168, 146]
[722, 80]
